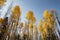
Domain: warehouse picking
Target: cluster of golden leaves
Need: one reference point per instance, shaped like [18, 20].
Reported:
[48, 21]
[15, 12]
[15, 15]
[29, 16]
[40, 29]
[1, 20]
[2, 2]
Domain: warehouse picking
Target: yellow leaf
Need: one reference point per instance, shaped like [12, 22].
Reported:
[16, 10]
[14, 16]
[40, 22]
[44, 25]
[29, 15]
[45, 13]
[1, 20]
[2, 2]
[44, 34]
[40, 29]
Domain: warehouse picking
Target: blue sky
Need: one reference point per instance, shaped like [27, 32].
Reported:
[37, 6]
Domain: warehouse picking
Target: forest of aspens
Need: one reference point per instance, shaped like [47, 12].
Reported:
[11, 28]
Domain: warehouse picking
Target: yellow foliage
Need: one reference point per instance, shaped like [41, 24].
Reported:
[49, 20]
[44, 25]
[40, 22]
[30, 26]
[1, 20]
[33, 19]
[45, 30]
[29, 15]
[49, 15]
[2, 2]
[45, 13]
[52, 20]
[14, 16]
[44, 34]
[16, 10]
[40, 29]
[50, 25]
